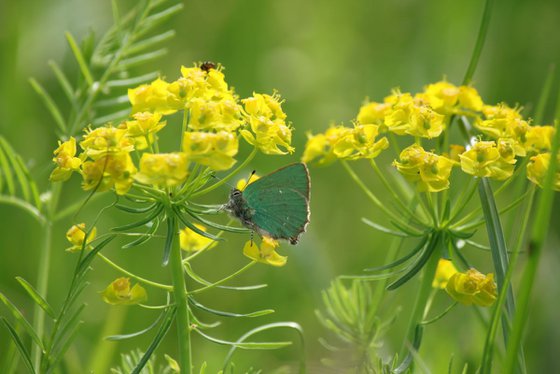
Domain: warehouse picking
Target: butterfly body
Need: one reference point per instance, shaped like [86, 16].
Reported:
[276, 205]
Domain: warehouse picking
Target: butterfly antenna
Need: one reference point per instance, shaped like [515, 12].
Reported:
[213, 175]
[249, 179]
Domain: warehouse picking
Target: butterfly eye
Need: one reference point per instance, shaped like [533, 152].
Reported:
[236, 193]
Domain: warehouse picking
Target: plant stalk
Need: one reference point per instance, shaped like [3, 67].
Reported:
[180, 296]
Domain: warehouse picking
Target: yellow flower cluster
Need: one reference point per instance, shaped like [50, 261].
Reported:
[266, 253]
[194, 242]
[503, 135]
[429, 171]
[76, 236]
[214, 120]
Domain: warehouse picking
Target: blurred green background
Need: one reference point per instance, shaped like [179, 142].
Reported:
[324, 57]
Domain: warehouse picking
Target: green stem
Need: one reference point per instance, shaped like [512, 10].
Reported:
[134, 276]
[44, 268]
[423, 293]
[482, 31]
[227, 177]
[180, 296]
[374, 198]
[223, 280]
[536, 244]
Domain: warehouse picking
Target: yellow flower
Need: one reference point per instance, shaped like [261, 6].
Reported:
[430, 171]
[153, 97]
[372, 113]
[269, 131]
[537, 168]
[243, 183]
[444, 271]
[215, 150]
[485, 159]
[446, 98]
[266, 253]
[143, 128]
[112, 170]
[162, 169]
[320, 147]
[191, 241]
[65, 160]
[120, 293]
[214, 115]
[106, 140]
[76, 235]
[472, 287]
[502, 121]
[407, 117]
[360, 142]
[539, 139]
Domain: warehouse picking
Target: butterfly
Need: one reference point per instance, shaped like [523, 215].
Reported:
[275, 205]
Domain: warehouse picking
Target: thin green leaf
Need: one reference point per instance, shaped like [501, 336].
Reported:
[67, 329]
[20, 203]
[134, 81]
[199, 279]
[383, 228]
[22, 321]
[165, 325]
[407, 229]
[7, 171]
[185, 222]
[417, 266]
[57, 356]
[84, 264]
[137, 333]
[80, 59]
[150, 42]
[217, 226]
[36, 297]
[130, 62]
[247, 345]
[18, 168]
[258, 313]
[141, 222]
[19, 345]
[129, 209]
[64, 82]
[50, 104]
[144, 238]
[168, 240]
[113, 117]
[149, 23]
[403, 259]
[112, 102]
[290, 325]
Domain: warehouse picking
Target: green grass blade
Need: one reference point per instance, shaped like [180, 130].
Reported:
[80, 59]
[164, 328]
[50, 104]
[538, 235]
[481, 38]
[36, 297]
[22, 321]
[257, 313]
[19, 345]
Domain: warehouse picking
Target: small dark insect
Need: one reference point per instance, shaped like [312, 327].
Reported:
[207, 65]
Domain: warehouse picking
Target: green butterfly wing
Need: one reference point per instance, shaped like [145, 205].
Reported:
[280, 202]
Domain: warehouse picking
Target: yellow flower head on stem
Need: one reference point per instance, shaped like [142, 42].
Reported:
[472, 287]
[266, 253]
[119, 292]
[485, 159]
[320, 147]
[446, 98]
[64, 157]
[106, 140]
[215, 150]
[216, 115]
[373, 113]
[76, 236]
[429, 171]
[143, 128]
[444, 272]
[412, 117]
[537, 168]
[538, 139]
[269, 131]
[194, 242]
[114, 170]
[163, 169]
[501, 121]
[153, 97]
[360, 142]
